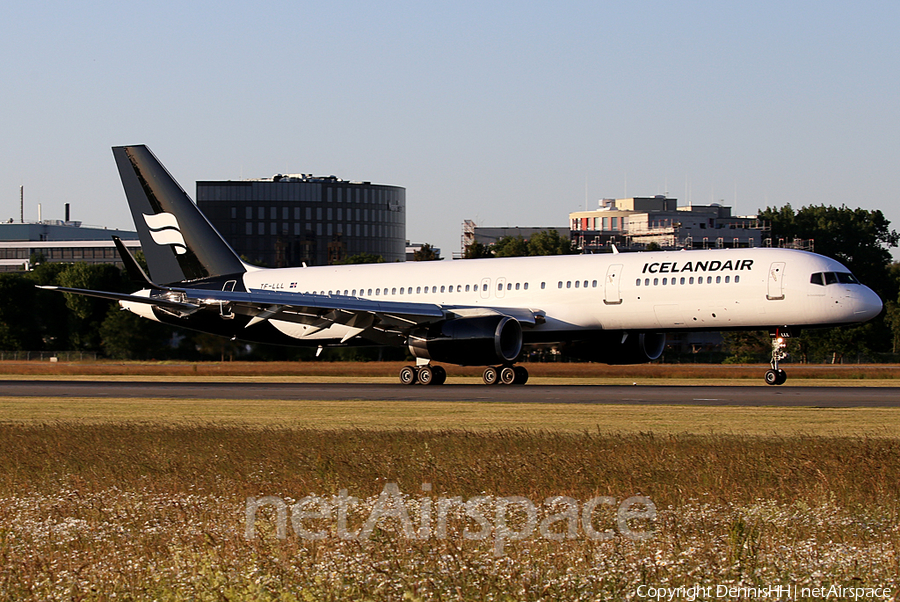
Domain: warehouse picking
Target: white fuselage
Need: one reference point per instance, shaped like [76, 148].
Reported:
[719, 289]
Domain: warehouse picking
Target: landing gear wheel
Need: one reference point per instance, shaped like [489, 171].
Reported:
[521, 375]
[782, 377]
[490, 376]
[440, 375]
[426, 375]
[771, 377]
[408, 375]
[507, 375]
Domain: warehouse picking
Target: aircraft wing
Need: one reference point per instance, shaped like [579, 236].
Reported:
[321, 311]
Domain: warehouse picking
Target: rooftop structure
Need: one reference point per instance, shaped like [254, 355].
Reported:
[635, 223]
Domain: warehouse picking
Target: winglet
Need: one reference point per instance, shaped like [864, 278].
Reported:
[132, 267]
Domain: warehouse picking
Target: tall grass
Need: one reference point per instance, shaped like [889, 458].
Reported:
[158, 512]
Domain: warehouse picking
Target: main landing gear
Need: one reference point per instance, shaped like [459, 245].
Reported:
[507, 375]
[425, 375]
[436, 375]
[777, 376]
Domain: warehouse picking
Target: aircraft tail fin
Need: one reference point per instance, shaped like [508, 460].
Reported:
[178, 241]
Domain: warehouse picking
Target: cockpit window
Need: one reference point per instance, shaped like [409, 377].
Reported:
[826, 278]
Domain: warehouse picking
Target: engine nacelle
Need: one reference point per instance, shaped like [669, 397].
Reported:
[609, 348]
[469, 341]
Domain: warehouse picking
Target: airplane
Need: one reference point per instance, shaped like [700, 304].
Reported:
[616, 307]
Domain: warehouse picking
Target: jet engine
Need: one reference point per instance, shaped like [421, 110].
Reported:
[619, 348]
[477, 341]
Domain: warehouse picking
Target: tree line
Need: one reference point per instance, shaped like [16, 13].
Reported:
[35, 320]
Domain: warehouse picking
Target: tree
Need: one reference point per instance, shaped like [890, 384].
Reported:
[18, 330]
[476, 250]
[88, 313]
[425, 253]
[549, 242]
[510, 246]
[127, 336]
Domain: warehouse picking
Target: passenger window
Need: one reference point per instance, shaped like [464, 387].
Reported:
[401, 290]
[637, 282]
[393, 290]
[543, 285]
[576, 284]
[594, 284]
[442, 289]
[434, 289]
[737, 279]
[467, 288]
[517, 286]
[682, 280]
[718, 280]
[459, 288]
[646, 282]
[665, 281]
[509, 286]
[500, 287]
[656, 282]
[727, 279]
[354, 292]
[526, 286]
[377, 291]
[370, 292]
[569, 284]
[709, 280]
[560, 284]
[585, 284]
[418, 289]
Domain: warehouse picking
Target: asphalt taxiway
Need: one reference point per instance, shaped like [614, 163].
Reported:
[784, 396]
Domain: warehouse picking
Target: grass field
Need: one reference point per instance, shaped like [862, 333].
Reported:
[113, 499]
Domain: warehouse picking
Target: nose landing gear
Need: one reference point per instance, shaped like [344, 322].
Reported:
[777, 376]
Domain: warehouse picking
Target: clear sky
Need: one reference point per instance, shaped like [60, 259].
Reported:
[508, 113]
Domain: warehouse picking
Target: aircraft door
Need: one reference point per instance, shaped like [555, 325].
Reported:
[775, 288]
[501, 287]
[485, 288]
[611, 294]
[225, 309]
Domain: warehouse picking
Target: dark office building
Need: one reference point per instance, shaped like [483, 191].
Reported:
[287, 220]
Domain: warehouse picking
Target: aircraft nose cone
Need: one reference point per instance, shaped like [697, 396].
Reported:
[868, 304]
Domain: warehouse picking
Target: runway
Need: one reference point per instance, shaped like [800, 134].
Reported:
[787, 396]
